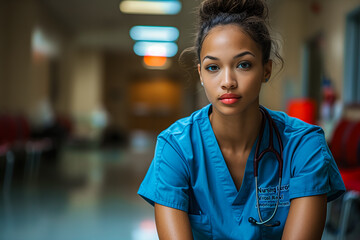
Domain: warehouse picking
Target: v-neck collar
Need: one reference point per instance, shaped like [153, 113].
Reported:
[235, 198]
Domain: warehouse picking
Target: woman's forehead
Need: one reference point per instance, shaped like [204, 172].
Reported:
[227, 38]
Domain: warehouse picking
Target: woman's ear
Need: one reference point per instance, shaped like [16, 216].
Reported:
[199, 71]
[267, 70]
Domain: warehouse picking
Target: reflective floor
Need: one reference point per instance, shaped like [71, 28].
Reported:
[90, 193]
[87, 194]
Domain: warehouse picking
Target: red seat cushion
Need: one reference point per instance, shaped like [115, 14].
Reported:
[352, 145]
[351, 178]
[337, 144]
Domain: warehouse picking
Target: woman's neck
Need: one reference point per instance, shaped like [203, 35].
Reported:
[239, 132]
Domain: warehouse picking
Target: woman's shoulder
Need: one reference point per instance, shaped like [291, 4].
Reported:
[300, 136]
[292, 125]
[182, 133]
[183, 126]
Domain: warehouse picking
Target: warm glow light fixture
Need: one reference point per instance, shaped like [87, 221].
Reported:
[160, 49]
[154, 33]
[153, 62]
[150, 7]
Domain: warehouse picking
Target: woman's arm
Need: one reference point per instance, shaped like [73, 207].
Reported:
[172, 224]
[306, 218]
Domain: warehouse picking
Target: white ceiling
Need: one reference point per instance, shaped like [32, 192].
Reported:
[100, 23]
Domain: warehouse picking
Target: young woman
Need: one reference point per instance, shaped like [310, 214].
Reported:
[213, 175]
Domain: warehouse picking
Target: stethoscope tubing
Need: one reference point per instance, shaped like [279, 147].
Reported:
[262, 222]
[258, 157]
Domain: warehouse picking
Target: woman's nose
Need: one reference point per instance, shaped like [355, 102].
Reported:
[229, 81]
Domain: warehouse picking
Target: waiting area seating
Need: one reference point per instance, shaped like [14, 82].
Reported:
[22, 146]
[345, 147]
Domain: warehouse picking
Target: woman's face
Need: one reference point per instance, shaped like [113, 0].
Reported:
[231, 70]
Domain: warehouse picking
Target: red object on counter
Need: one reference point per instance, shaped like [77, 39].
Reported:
[304, 109]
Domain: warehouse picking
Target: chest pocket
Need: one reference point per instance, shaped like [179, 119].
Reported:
[200, 226]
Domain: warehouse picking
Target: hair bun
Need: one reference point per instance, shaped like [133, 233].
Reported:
[250, 8]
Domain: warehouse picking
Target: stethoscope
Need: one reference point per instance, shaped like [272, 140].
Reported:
[257, 158]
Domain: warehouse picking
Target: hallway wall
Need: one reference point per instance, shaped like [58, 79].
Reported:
[286, 20]
[86, 90]
[295, 22]
[26, 81]
[16, 43]
[331, 21]
[2, 52]
[40, 82]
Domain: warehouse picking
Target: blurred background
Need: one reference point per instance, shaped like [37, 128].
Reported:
[86, 86]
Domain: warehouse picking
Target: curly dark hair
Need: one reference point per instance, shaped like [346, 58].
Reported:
[250, 15]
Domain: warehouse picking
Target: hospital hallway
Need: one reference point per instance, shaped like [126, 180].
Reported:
[87, 86]
[90, 194]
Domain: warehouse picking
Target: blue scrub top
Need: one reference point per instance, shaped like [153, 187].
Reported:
[189, 173]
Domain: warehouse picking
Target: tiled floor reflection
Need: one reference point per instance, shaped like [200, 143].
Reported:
[88, 194]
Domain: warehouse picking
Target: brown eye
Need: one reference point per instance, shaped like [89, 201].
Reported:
[212, 68]
[244, 65]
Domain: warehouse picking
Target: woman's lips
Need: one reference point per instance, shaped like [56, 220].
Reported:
[229, 98]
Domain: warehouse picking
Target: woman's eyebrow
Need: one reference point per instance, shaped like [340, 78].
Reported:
[210, 57]
[243, 54]
[237, 56]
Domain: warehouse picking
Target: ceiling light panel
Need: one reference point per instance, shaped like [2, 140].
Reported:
[151, 7]
[161, 49]
[154, 33]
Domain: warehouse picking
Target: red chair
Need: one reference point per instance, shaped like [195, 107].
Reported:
[345, 147]
[352, 143]
[6, 152]
[34, 148]
[23, 127]
[6, 139]
[338, 140]
[15, 137]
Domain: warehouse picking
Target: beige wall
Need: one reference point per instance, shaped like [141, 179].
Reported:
[332, 22]
[86, 81]
[25, 82]
[2, 51]
[86, 89]
[294, 23]
[118, 70]
[287, 19]
[63, 102]
[19, 18]
[24, 74]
